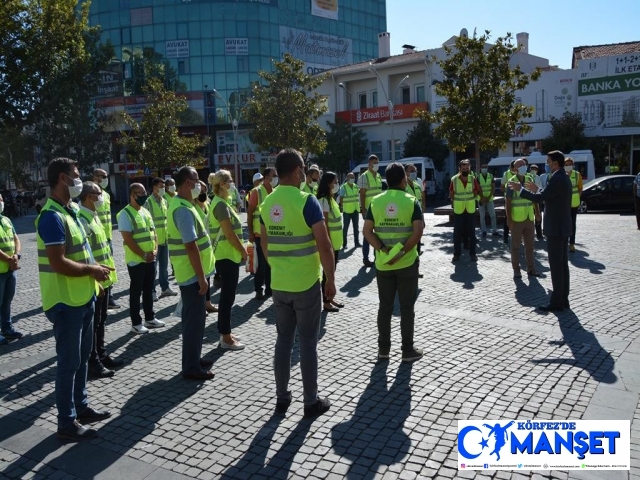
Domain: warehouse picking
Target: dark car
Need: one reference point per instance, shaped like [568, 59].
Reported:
[613, 192]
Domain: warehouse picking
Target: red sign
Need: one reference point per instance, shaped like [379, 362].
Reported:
[381, 114]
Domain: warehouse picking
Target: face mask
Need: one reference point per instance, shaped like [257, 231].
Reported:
[274, 182]
[413, 176]
[104, 182]
[522, 170]
[313, 183]
[171, 189]
[195, 191]
[484, 171]
[375, 167]
[1, 207]
[76, 188]
[99, 202]
[568, 168]
[141, 199]
[547, 168]
[232, 186]
[464, 174]
[335, 188]
[202, 197]
[534, 173]
[350, 181]
[161, 192]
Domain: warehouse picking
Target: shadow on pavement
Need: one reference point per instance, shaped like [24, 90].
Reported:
[361, 279]
[579, 260]
[466, 272]
[587, 352]
[530, 295]
[374, 436]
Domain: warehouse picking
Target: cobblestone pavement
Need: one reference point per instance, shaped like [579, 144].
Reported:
[488, 355]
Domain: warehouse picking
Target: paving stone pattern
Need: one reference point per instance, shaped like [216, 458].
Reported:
[488, 355]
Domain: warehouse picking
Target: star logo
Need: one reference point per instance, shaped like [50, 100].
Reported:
[484, 443]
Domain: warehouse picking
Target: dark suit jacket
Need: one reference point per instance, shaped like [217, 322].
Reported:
[557, 204]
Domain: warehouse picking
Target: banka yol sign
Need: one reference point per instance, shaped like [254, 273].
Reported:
[381, 114]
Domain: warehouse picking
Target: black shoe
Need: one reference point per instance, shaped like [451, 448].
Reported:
[318, 408]
[76, 432]
[412, 355]
[455, 258]
[550, 308]
[495, 234]
[111, 363]
[420, 275]
[367, 263]
[206, 363]
[259, 296]
[98, 370]
[208, 375]
[533, 273]
[484, 234]
[90, 415]
[358, 245]
[282, 406]
[113, 305]
[12, 334]
[567, 306]
[268, 293]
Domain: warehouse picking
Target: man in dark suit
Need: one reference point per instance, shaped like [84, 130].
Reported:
[557, 226]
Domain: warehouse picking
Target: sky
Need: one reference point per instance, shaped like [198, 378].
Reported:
[554, 27]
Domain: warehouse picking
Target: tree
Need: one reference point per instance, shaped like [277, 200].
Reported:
[567, 133]
[284, 110]
[16, 153]
[480, 87]
[339, 146]
[155, 141]
[421, 142]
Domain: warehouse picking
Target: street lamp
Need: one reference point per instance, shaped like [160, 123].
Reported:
[341, 85]
[390, 105]
[234, 126]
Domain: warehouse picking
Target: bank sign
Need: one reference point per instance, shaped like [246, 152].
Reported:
[544, 445]
[319, 51]
[381, 114]
[609, 94]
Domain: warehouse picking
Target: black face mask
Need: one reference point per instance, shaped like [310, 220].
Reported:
[202, 197]
[465, 174]
[141, 199]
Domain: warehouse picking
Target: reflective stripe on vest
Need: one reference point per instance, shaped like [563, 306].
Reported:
[415, 191]
[7, 242]
[374, 187]
[335, 224]
[521, 208]
[224, 250]
[262, 193]
[141, 232]
[99, 245]
[463, 198]
[575, 193]
[104, 214]
[351, 199]
[158, 211]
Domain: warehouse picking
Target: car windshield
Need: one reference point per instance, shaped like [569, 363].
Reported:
[592, 182]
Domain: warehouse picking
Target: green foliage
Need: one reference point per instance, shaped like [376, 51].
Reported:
[147, 65]
[481, 87]
[285, 108]
[338, 151]
[421, 142]
[567, 133]
[155, 141]
[16, 153]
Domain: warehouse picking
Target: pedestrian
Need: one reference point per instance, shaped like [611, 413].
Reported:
[370, 184]
[68, 286]
[636, 196]
[576, 192]
[310, 184]
[233, 197]
[349, 202]
[157, 207]
[101, 365]
[557, 226]
[257, 180]
[394, 226]
[503, 188]
[415, 188]
[225, 232]
[521, 214]
[170, 190]
[295, 242]
[463, 191]
[262, 276]
[140, 251]
[533, 169]
[485, 201]
[327, 189]
[201, 202]
[10, 256]
[192, 256]
[101, 178]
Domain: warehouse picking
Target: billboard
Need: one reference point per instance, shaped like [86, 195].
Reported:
[325, 8]
[236, 46]
[380, 114]
[318, 50]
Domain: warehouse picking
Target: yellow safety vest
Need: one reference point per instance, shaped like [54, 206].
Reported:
[142, 232]
[168, 197]
[351, 199]
[374, 187]
[158, 211]
[307, 189]
[7, 241]
[202, 211]
[262, 193]
[104, 214]
[224, 250]
[463, 198]
[575, 193]
[335, 224]
[99, 246]
[486, 185]
[392, 223]
[178, 252]
[415, 191]
[57, 288]
[521, 208]
[292, 249]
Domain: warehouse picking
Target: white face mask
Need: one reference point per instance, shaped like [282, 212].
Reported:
[335, 188]
[232, 186]
[522, 170]
[1, 207]
[375, 167]
[161, 192]
[195, 191]
[413, 176]
[313, 183]
[568, 168]
[274, 182]
[484, 171]
[350, 181]
[99, 202]
[76, 188]
[171, 189]
[104, 182]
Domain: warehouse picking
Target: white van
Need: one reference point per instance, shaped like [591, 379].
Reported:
[424, 166]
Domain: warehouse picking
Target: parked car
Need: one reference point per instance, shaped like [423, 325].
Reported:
[613, 192]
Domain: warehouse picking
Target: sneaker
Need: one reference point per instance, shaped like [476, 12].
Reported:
[153, 323]
[167, 292]
[113, 305]
[231, 346]
[139, 329]
[383, 354]
[154, 296]
[12, 334]
[318, 408]
[76, 432]
[412, 355]
[98, 370]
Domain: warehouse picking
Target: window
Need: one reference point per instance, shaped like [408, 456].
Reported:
[398, 148]
[420, 93]
[183, 67]
[376, 149]
[406, 95]
[243, 64]
[362, 100]
[125, 36]
[141, 16]
[374, 98]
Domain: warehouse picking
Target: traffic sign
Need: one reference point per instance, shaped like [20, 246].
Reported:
[147, 171]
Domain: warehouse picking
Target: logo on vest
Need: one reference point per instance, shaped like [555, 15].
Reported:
[391, 210]
[276, 214]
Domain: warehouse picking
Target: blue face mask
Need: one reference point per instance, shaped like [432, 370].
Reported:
[547, 168]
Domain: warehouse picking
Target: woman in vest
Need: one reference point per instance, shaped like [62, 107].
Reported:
[201, 203]
[327, 190]
[225, 230]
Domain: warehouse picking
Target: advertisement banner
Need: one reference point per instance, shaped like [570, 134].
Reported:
[318, 50]
[544, 444]
[325, 8]
[176, 48]
[111, 82]
[236, 46]
[381, 114]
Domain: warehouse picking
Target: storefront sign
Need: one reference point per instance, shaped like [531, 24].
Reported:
[236, 46]
[381, 114]
[321, 50]
[244, 157]
[176, 48]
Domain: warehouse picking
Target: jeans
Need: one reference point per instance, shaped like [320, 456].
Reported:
[98, 349]
[404, 282]
[73, 331]
[297, 311]
[163, 265]
[464, 228]
[263, 272]
[324, 277]
[353, 218]
[142, 277]
[483, 209]
[7, 291]
[229, 274]
[522, 231]
[193, 318]
[574, 217]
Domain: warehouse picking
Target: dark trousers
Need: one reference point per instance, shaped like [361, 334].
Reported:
[263, 272]
[574, 216]
[207, 296]
[505, 230]
[638, 211]
[193, 319]
[324, 278]
[229, 274]
[559, 265]
[143, 278]
[354, 219]
[404, 282]
[464, 229]
[98, 349]
[110, 299]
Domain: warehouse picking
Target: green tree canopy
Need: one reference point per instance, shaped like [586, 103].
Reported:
[421, 142]
[340, 139]
[480, 87]
[285, 108]
[155, 141]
